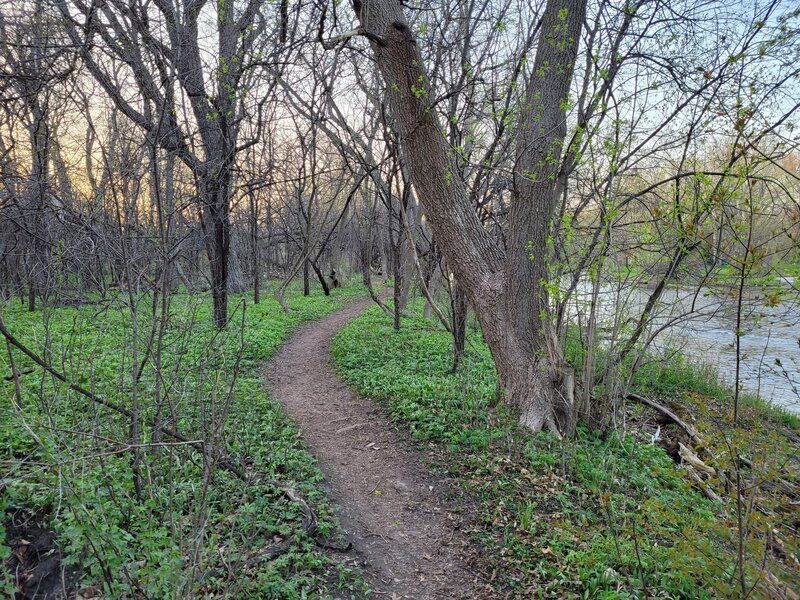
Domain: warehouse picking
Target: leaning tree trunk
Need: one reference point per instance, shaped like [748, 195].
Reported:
[526, 354]
[320, 276]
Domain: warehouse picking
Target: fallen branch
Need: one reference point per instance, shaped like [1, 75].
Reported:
[309, 526]
[778, 589]
[16, 374]
[692, 459]
[710, 494]
[376, 299]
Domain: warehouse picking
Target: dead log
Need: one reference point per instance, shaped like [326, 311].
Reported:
[693, 460]
[691, 432]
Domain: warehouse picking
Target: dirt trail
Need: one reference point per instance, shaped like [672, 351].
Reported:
[392, 508]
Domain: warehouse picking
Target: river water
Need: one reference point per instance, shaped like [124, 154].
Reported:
[702, 323]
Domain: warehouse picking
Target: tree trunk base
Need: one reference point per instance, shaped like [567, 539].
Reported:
[545, 398]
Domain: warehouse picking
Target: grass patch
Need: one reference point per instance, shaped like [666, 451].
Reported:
[65, 461]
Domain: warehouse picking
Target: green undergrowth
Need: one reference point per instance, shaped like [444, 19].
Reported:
[193, 523]
[592, 517]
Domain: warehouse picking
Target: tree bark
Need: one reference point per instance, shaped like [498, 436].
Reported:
[236, 280]
[459, 301]
[366, 263]
[541, 129]
[216, 227]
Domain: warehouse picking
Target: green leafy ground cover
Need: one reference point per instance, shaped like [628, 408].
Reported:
[593, 517]
[65, 462]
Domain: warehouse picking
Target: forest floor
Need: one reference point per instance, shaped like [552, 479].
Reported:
[440, 494]
[402, 520]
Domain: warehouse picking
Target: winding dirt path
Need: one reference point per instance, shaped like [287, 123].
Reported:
[392, 508]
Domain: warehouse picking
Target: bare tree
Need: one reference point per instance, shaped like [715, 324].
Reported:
[34, 66]
[162, 48]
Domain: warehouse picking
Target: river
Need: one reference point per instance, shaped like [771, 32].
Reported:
[702, 323]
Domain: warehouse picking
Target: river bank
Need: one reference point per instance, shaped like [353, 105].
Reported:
[621, 515]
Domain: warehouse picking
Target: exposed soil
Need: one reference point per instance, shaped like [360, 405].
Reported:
[393, 510]
[35, 561]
